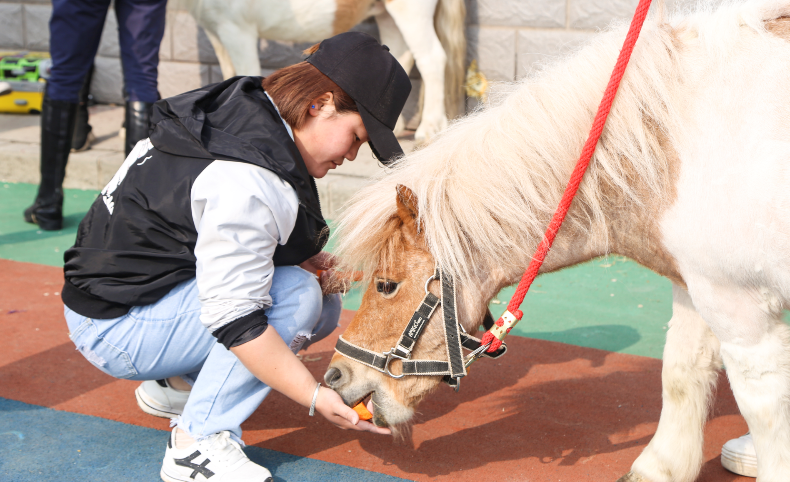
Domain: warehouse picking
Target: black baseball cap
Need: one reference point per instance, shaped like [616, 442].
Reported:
[370, 75]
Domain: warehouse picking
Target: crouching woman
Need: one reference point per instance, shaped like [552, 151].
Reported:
[195, 267]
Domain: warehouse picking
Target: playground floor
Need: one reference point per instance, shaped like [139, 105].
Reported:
[577, 397]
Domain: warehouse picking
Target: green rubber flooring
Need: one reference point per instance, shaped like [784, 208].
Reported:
[609, 303]
[21, 241]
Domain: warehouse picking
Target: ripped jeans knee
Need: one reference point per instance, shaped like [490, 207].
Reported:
[327, 321]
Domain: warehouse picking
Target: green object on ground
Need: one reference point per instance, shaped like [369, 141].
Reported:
[609, 303]
[24, 67]
[22, 241]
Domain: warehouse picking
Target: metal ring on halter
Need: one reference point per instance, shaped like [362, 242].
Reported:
[428, 281]
[390, 356]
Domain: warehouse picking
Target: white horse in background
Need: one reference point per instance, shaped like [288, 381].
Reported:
[429, 33]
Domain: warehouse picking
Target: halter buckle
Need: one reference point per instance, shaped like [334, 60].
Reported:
[391, 355]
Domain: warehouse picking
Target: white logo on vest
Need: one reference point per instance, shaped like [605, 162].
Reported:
[139, 151]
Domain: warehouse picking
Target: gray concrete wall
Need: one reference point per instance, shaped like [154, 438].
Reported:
[507, 37]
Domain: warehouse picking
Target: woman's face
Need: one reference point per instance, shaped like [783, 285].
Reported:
[328, 138]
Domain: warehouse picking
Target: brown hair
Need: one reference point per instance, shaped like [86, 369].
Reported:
[295, 87]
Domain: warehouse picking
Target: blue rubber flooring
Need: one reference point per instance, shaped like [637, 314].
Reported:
[41, 444]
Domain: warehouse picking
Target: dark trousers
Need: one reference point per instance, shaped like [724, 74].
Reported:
[75, 30]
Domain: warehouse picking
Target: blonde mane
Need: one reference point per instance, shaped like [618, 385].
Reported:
[488, 184]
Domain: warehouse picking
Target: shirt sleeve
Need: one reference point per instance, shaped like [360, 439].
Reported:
[241, 213]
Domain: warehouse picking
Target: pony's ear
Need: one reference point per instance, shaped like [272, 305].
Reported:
[408, 213]
[407, 204]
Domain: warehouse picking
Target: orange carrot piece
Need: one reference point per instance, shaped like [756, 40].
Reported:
[363, 412]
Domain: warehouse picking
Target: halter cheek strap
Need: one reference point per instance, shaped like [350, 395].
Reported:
[452, 333]
[416, 325]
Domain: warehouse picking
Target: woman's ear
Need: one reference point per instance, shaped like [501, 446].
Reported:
[322, 104]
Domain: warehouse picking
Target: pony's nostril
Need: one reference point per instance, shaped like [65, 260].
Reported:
[332, 377]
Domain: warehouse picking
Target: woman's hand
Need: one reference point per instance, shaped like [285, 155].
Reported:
[331, 406]
[331, 282]
[270, 359]
[322, 261]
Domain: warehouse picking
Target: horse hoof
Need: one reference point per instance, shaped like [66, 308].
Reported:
[632, 477]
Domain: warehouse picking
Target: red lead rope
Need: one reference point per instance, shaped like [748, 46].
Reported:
[503, 326]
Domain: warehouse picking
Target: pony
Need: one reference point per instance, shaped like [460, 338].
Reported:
[429, 33]
[690, 179]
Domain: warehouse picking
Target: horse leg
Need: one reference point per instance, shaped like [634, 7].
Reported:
[392, 38]
[414, 19]
[755, 347]
[760, 378]
[691, 362]
[240, 42]
[225, 63]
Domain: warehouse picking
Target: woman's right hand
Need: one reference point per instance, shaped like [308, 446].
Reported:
[331, 406]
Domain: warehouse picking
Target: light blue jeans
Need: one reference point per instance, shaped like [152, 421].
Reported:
[166, 339]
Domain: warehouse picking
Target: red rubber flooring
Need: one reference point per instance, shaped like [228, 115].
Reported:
[548, 412]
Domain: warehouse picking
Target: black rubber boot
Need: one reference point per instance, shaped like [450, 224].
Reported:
[47, 212]
[83, 135]
[57, 128]
[138, 123]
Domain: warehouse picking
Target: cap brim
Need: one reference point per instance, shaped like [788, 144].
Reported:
[382, 140]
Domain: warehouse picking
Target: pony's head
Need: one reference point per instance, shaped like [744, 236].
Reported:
[396, 288]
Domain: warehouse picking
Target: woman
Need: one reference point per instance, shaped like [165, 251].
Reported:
[193, 249]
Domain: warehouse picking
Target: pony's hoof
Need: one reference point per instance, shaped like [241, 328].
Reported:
[632, 477]
[427, 130]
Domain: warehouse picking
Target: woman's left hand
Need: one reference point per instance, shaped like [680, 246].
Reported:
[322, 261]
[321, 265]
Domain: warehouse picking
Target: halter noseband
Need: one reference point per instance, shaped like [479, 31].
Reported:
[456, 339]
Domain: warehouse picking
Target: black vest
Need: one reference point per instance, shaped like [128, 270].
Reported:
[137, 254]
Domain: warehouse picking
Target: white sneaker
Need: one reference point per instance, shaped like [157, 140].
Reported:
[217, 458]
[158, 398]
[738, 456]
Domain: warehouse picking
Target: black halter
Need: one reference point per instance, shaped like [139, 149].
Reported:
[455, 336]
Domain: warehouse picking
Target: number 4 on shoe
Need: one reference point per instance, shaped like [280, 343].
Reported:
[158, 398]
[216, 458]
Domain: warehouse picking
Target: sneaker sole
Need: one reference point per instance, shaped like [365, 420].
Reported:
[738, 465]
[148, 406]
[168, 478]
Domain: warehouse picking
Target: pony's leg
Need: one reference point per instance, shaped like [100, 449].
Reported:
[209, 14]
[392, 38]
[241, 44]
[691, 363]
[225, 63]
[755, 347]
[414, 19]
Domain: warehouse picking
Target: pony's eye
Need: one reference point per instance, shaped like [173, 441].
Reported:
[386, 287]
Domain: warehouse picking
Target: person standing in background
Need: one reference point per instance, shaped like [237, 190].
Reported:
[75, 31]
